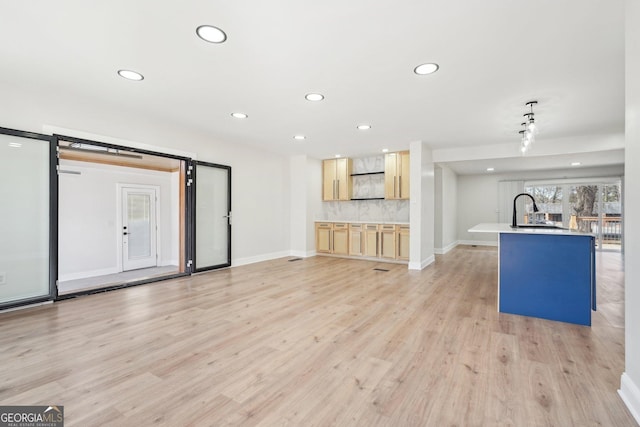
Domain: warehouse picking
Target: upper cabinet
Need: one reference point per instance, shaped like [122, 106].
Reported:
[336, 179]
[396, 175]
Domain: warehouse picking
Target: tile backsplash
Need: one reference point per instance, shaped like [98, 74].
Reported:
[366, 210]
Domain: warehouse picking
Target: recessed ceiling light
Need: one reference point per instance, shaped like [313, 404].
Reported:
[299, 137]
[211, 34]
[575, 163]
[385, 150]
[314, 97]
[130, 75]
[490, 169]
[239, 115]
[364, 127]
[337, 156]
[15, 144]
[424, 69]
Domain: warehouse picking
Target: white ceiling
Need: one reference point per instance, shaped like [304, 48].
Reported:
[494, 56]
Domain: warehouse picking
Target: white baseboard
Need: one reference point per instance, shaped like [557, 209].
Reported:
[259, 258]
[87, 274]
[630, 394]
[303, 254]
[422, 265]
[442, 251]
[477, 243]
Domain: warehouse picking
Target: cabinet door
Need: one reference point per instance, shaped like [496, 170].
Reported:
[390, 175]
[403, 242]
[341, 239]
[371, 240]
[328, 179]
[356, 239]
[324, 242]
[343, 179]
[403, 175]
[388, 241]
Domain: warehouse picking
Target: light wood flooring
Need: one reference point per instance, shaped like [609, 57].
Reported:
[319, 342]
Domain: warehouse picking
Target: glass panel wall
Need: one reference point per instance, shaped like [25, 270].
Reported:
[587, 207]
[24, 219]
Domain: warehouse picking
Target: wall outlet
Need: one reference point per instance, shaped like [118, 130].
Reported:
[3, 278]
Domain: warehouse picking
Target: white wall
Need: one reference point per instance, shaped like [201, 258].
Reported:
[298, 212]
[314, 201]
[89, 203]
[422, 210]
[478, 197]
[630, 383]
[446, 209]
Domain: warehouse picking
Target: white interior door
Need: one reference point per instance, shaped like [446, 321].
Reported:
[139, 231]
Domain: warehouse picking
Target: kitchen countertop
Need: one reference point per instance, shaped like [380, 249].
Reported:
[362, 222]
[506, 228]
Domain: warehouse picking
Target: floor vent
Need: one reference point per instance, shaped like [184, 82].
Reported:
[380, 269]
[295, 259]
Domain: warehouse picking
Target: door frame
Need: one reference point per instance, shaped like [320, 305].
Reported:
[192, 204]
[119, 220]
[53, 218]
[184, 227]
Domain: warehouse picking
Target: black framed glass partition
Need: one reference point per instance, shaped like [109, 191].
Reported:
[212, 216]
[28, 210]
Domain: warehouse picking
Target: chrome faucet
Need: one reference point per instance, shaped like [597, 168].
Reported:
[514, 223]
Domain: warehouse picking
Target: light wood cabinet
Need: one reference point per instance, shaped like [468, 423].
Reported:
[336, 179]
[403, 242]
[324, 242]
[387, 241]
[396, 175]
[356, 239]
[381, 241]
[340, 239]
[371, 240]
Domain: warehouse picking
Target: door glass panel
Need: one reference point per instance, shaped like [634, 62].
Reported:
[212, 217]
[611, 212]
[589, 208]
[24, 218]
[549, 202]
[139, 225]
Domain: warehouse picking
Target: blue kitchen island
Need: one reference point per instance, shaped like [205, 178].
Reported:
[545, 272]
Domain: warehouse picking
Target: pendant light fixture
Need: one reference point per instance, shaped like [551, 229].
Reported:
[531, 124]
[529, 129]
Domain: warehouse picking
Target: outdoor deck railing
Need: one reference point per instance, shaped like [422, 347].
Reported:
[611, 227]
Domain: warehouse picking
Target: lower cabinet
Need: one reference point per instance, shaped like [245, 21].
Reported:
[341, 239]
[403, 242]
[356, 240]
[324, 237]
[387, 241]
[381, 241]
[371, 240]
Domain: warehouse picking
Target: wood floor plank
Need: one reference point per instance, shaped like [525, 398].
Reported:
[319, 342]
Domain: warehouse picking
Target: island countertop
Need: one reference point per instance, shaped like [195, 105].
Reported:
[506, 228]
[362, 222]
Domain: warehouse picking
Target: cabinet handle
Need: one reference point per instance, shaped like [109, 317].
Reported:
[334, 189]
[400, 186]
[394, 185]
[331, 241]
[338, 188]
